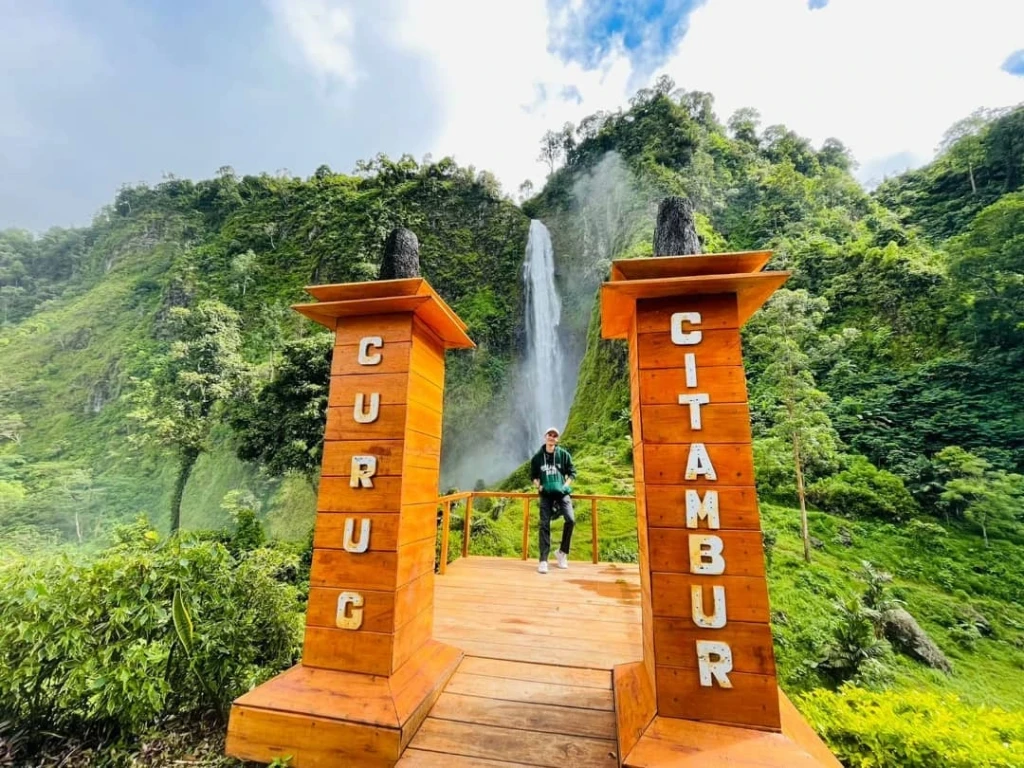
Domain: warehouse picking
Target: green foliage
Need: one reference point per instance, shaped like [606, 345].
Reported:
[146, 629]
[986, 497]
[853, 642]
[913, 729]
[863, 490]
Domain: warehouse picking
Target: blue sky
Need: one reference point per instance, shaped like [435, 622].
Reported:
[97, 94]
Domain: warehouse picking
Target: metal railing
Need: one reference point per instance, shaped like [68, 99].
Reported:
[468, 496]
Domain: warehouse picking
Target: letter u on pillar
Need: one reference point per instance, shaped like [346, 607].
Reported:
[360, 412]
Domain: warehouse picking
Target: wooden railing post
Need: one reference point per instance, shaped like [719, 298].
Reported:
[445, 522]
[593, 529]
[526, 527]
[465, 526]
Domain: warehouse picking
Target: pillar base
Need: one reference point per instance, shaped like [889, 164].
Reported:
[322, 717]
[669, 741]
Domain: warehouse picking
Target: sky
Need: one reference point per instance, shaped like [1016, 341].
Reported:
[97, 94]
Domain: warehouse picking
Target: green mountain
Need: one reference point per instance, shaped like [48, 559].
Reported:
[889, 370]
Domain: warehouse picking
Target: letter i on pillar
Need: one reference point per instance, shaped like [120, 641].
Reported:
[711, 653]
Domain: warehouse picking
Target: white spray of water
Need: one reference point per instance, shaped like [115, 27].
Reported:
[546, 403]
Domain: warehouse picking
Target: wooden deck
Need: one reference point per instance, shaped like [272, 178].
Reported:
[535, 687]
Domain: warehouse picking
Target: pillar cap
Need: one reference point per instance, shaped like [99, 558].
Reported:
[381, 297]
[694, 275]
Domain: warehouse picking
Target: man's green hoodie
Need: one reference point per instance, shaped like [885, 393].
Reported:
[552, 469]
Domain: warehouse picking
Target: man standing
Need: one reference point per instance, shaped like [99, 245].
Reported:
[552, 473]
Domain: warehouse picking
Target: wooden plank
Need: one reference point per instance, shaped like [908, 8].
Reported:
[693, 265]
[539, 749]
[574, 626]
[687, 744]
[389, 425]
[718, 311]
[747, 595]
[801, 733]
[529, 690]
[617, 651]
[369, 653]
[737, 507]
[426, 392]
[656, 350]
[422, 418]
[325, 693]
[317, 742]
[391, 328]
[426, 360]
[380, 571]
[388, 531]
[599, 612]
[395, 358]
[634, 704]
[538, 673]
[662, 386]
[720, 423]
[336, 495]
[421, 758]
[752, 701]
[539, 718]
[594, 658]
[665, 464]
[742, 550]
[416, 685]
[337, 461]
[422, 450]
[675, 644]
[419, 486]
[414, 635]
[392, 388]
[382, 611]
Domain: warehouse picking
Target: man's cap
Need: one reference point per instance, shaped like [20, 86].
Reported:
[552, 429]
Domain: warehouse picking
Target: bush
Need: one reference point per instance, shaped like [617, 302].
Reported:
[912, 729]
[863, 490]
[90, 645]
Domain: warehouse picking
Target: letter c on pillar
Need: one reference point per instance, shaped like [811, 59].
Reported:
[685, 338]
[365, 358]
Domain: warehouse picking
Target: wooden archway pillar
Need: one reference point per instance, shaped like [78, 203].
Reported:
[708, 657]
[370, 669]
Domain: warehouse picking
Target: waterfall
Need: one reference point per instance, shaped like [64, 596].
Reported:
[546, 402]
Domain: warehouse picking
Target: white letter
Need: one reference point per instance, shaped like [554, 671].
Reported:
[363, 468]
[697, 510]
[364, 536]
[363, 416]
[691, 369]
[685, 338]
[699, 463]
[701, 619]
[719, 667]
[342, 619]
[706, 555]
[695, 402]
[365, 358]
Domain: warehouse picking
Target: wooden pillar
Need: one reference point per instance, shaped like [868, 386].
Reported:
[707, 641]
[370, 669]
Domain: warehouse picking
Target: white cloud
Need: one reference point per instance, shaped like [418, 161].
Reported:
[887, 77]
[324, 31]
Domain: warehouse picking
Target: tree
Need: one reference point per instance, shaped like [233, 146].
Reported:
[983, 495]
[243, 270]
[786, 390]
[177, 406]
[744, 123]
[552, 147]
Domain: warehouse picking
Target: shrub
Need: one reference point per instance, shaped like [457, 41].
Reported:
[863, 490]
[913, 729]
[91, 644]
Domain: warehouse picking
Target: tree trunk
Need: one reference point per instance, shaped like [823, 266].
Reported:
[188, 461]
[803, 500]
[78, 527]
[970, 170]
[984, 531]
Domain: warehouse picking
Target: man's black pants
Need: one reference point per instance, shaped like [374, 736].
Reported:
[551, 508]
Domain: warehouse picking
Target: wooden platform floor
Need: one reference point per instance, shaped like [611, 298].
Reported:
[535, 688]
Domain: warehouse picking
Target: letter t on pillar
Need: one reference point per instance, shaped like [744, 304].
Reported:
[369, 618]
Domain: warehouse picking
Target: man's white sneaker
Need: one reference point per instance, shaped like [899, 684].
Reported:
[563, 559]
[543, 567]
